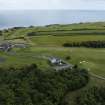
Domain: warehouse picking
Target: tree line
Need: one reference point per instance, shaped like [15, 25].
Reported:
[88, 44]
[32, 86]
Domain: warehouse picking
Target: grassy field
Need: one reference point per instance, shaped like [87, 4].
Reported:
[44, 42]
[21, 59]
[97, 28]
[94, 57]
[48, 41]
[60, 40]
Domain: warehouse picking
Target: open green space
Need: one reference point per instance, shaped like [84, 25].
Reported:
[49, 40]
[94, 58]
[60, 40]
[43, 42]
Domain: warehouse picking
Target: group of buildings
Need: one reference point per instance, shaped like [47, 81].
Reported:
[8, 46]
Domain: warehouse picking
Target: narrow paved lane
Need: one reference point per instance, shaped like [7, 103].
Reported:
[97, 76]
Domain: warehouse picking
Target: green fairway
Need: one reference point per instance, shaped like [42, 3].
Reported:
[48, 41]
[60, 40]
[97, 28]
[92, 59]
[95, 58]
[20, 59]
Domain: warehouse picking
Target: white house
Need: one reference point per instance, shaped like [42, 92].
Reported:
[53, 60]
[56, 61]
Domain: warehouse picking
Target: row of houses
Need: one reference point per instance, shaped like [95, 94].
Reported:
[8, 46]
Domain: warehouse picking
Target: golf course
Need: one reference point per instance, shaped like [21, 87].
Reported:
[48, 41]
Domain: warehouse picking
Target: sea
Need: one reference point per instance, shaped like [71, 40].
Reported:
[25, 18]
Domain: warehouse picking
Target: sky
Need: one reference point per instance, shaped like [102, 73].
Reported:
[53, 4]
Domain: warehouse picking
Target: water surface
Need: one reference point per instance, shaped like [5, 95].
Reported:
[11, 18]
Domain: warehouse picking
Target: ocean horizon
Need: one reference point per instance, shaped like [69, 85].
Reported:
[25, 18]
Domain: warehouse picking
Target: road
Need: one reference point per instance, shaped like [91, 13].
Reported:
[97, 76]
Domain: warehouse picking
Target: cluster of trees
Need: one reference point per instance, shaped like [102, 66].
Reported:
[31, 86]
[16, 28]
[91, 44]
[92, 96]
